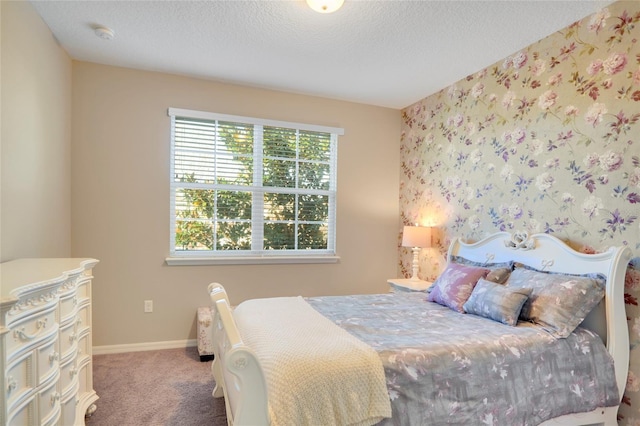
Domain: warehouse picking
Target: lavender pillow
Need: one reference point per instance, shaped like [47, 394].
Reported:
[454, 286]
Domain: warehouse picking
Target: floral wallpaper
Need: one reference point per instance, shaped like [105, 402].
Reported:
[547, 140]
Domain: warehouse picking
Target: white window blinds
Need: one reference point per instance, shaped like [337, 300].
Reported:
[242, 186]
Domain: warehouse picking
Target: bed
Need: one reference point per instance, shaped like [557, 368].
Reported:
[437, 365]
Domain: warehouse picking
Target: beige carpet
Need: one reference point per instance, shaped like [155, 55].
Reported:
[165, 387]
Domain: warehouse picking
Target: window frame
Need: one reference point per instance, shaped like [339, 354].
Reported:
[214, 257]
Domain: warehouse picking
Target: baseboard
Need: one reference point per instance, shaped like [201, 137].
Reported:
[139, 347]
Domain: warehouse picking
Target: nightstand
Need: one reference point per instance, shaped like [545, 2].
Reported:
[406, 284]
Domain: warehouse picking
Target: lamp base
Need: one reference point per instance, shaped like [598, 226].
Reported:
[415, 265]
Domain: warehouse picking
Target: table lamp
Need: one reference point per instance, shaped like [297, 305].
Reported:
[416, 237]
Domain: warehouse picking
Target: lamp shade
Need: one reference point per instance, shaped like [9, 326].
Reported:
[416, 236]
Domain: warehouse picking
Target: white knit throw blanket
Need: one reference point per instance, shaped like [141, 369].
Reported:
[316, 372]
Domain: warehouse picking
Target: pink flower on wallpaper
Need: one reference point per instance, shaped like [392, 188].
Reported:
[555, 79]
[493, 97]
[507, 63]
[635, 78]
[508, 98]
[614, 63]
[538, 67]
[591, 160]
[599, 20]
[547, 99]
[519, 60]
[477, 90]
[636, 326]
[594, 67]
[595, 113]
[632, 280]
[571, 110]
[633, 383]
[610, 161]
[634, 177]
[607, 84]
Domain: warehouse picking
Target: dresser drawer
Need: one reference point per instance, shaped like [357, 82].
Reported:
[68, 375]
[84, 343]
[20, 378]
[21, 415]
[68, 305]
[84, 288]
[68, 339]
[49, 403]
[29, 332]
[48, 360]
[68, 408]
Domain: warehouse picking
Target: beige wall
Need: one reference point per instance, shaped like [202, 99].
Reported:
[120, 199]
[36, 134]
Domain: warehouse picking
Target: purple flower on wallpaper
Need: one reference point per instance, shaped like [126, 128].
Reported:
[591, 206]
[552, 164]
[567, 198]
[604, 179]
[617, 222]
[610, 161]
[547, 99]
[614, 63]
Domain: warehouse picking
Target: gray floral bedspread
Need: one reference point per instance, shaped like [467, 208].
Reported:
[443, 367]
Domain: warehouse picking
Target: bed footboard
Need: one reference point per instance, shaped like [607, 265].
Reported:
[236, 370]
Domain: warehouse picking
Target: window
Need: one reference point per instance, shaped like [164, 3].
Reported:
[245, 189]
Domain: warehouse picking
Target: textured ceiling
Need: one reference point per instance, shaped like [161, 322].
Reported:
[386, 53]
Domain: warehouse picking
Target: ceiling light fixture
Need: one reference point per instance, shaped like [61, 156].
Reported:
[104, 33]
[325, 6]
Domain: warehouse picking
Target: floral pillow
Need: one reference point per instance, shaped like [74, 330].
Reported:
[454, 286]
[497, 302]
[558, 302]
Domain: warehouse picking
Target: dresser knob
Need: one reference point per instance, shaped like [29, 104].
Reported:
[55, 397]
[12, 384]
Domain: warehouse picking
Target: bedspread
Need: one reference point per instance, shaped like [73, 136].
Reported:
[316, 373]
[443, 367]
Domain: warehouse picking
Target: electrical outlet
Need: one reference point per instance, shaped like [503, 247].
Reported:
[148, 306]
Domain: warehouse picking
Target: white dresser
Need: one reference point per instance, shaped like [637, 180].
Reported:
[45, 342]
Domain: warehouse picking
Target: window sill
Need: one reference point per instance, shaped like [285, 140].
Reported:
[250, 260]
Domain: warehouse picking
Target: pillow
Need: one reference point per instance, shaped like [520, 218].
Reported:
[455, 284]
[558, 302]
[497, 302]
[499, 275]
[499, 271]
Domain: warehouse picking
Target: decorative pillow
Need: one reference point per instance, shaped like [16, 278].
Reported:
[497, 302]
[499, 271]
[499, 275]
[558, 302]
[455, 284]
